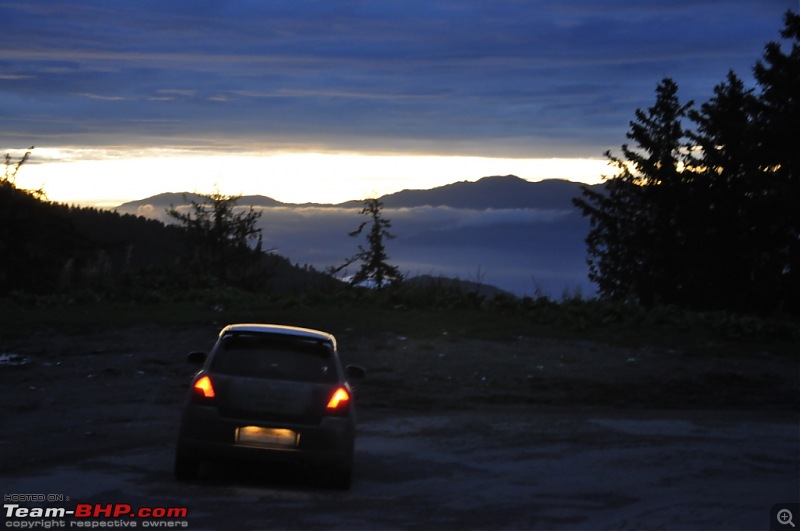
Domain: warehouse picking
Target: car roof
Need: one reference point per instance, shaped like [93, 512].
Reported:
[285, 330]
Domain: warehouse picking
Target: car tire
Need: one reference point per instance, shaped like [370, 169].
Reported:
[341, 478]
[186, 469]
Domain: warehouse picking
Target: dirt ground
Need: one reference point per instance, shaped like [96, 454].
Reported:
[76, 394]
[569, 434]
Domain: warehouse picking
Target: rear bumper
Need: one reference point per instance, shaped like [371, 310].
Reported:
[204, 434]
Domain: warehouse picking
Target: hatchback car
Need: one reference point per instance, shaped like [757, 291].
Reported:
[270, 393]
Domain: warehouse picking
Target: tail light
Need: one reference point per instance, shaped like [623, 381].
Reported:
[339, 403]
[203, 389]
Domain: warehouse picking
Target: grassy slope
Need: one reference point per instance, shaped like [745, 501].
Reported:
[465, 355]
[494, 321]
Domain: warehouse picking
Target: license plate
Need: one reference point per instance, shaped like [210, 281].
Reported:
[266, 437]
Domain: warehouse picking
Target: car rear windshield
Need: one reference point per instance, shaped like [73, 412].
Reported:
[275, 358]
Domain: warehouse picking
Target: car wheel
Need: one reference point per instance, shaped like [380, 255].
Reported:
[186, 469]
[341, 478]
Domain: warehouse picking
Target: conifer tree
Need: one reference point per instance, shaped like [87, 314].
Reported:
[707, 217]
[726, 170]
[633, 244]
[219, 237]
[375, 267]
[777, 269]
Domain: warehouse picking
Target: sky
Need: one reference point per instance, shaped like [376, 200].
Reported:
[326, 101]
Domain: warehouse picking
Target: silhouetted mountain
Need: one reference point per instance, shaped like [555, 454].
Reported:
[524, 237]
[166, 200]
[490, 192]
[497, 192]
[440, 283]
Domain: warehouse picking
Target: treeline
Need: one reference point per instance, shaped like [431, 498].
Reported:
[706, 216]
[51, 248]
[702, 214]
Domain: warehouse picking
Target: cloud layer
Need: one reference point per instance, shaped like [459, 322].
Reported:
[524, 251]
[494, 78]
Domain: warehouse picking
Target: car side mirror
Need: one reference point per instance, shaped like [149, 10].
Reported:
[197, 358]
[355, 372]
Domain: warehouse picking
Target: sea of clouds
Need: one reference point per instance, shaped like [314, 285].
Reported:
[524, 251]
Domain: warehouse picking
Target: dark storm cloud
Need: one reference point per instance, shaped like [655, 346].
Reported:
[508, 77]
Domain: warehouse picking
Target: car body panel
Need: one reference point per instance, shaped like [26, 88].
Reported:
[274, 383]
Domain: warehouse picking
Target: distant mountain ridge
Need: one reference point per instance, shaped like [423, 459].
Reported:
[520, 236]
[168, 199]
[497, 192]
